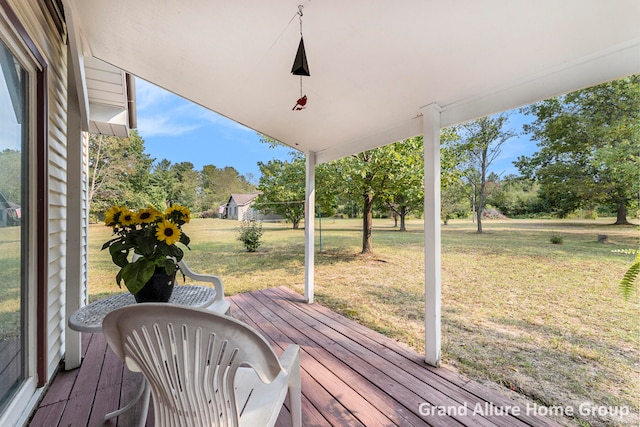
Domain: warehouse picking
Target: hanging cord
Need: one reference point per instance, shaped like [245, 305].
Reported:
[300, 14]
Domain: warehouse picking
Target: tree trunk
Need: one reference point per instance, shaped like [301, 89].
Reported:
[367, 224]
[403, 214]
[483, 182]
[622, 214]
[479, 211]
[296, 224]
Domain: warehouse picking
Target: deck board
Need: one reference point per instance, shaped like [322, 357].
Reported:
[351, 375]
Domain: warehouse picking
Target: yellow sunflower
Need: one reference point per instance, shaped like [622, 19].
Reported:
[178, 212]
[109, 216]
[186, 214]
[171, 209]
[148, 215]
[127, 217]
[168, 231]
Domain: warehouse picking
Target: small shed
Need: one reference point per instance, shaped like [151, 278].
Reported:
[240, 207]
[9, 212]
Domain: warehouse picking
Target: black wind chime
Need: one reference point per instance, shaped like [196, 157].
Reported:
[300, 66]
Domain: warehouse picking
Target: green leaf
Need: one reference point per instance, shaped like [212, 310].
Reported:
[119, 254]
[627, 284]
[109, 242]
[137, 274]
[119, 278]
[144, 244]
[175, 252]
[169, 266]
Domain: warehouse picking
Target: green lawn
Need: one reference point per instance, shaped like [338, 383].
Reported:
[9, 283]
[545, 320]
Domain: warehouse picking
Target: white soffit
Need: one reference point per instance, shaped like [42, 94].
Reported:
[101, 88]
[373, 64]
[107, 94]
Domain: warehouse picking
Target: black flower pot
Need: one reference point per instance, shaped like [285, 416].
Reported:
[158, 289]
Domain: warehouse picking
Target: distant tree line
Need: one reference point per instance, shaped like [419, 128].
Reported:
[120, 172]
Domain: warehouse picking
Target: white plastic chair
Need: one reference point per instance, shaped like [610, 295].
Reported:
[203, 368]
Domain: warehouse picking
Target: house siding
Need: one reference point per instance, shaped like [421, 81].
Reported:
[40, 27]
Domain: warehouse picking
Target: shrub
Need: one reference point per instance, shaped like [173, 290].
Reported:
[209, 214]
[556, 239]
[250, 235]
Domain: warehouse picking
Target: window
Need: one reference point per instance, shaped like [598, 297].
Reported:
[14, 142]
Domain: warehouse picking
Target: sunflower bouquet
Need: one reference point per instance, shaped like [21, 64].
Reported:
[152, 235]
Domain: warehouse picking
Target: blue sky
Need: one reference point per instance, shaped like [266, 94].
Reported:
[181, 131]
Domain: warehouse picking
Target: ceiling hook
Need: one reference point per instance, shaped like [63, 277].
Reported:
[300, 7]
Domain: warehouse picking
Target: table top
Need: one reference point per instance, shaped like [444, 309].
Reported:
[89, 318]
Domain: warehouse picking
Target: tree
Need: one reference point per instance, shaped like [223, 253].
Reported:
[118, 172]
[516, 196]
[282, 188]
[453, 203]
[482, 139]
[406, 183]
[369, 176]
[452, 155]
[405, 192]
[216, 184]
[185, 184]
[10, 174]
[589, 148]
[177, 182]
[160, 183]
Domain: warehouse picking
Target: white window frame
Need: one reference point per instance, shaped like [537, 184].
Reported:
[25, 397]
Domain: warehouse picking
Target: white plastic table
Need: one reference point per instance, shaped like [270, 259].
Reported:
[89, 319]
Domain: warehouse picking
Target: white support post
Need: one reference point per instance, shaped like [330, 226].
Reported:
[309, 222]
[77, 226]
[432, 286]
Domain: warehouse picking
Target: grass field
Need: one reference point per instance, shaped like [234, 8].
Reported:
[545, 320]
[10, 283]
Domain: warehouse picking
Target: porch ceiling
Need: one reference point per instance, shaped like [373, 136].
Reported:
[373, 64]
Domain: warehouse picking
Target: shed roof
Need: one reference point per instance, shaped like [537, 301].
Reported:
[243, 199]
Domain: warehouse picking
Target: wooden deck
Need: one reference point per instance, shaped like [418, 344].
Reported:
[351, 376]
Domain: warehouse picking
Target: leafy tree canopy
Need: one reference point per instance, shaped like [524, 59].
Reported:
[10, 174]
[481, 143]
[589, 148]
[217, 184]
[118, 172]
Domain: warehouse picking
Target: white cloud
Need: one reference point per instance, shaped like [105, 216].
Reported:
[163, 125]
[161, 112]
[148, 95]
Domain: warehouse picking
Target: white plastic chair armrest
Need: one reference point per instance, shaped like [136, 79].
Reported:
[220, 306]
[215, 280]
[290, 361]
[290, 357]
